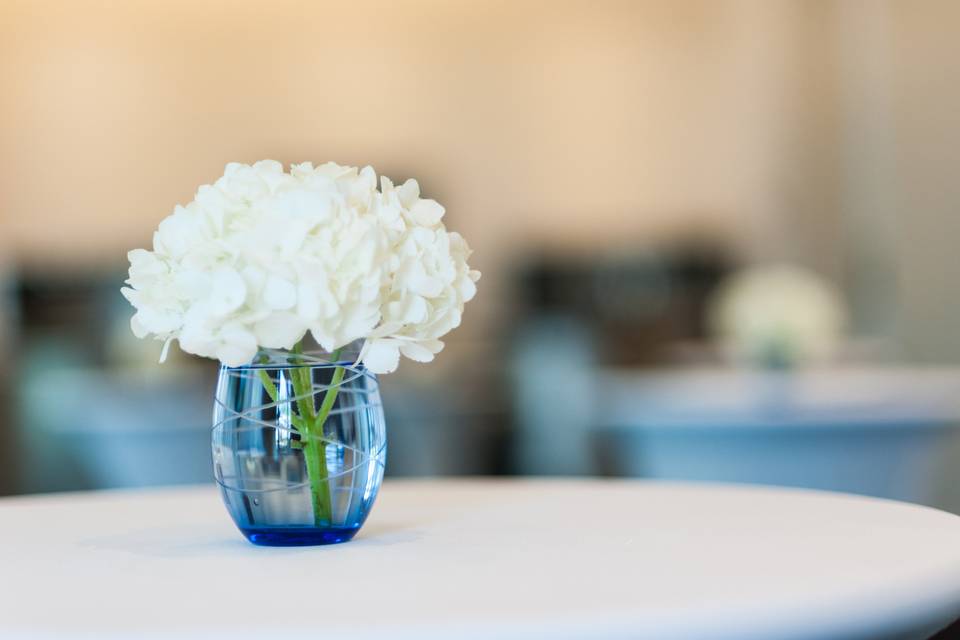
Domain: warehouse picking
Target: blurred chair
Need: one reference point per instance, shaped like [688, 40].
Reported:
[575, 314]
[92, 408]
[90, 428]
[552, 368]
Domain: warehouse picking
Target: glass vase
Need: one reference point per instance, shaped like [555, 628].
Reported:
[299, 446]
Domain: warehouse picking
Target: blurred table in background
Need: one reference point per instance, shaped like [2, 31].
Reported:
[487, 558]
[890, 432]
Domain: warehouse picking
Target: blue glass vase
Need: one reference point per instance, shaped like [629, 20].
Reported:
[299, 446]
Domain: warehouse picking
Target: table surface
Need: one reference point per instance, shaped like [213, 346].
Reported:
[720, 398]
[486, 559]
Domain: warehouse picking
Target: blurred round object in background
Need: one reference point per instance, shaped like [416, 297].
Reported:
[778, 316]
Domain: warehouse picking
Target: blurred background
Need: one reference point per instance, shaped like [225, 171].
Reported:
[717, 237]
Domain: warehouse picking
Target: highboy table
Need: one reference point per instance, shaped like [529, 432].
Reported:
[486, 559]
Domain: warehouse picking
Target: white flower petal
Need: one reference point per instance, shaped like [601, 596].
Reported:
[416, 352]
[467, 289]
[381, 356]
[191, 284]
[415, 279]
[280, 330]
[427, 212]
[279, 293]
[308, 307]
[157, 321]
[409, 193]
[237, 347]
[271, 172]
[139, 257]
[137, 327]
[325, 339]
[228, 291]
[255, 279]
[358, 323]
[301, 170]
[435, 346]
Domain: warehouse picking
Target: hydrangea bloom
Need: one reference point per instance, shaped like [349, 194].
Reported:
[779, 315]
[263, 256]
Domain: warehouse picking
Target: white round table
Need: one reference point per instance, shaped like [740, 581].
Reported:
[487, 559]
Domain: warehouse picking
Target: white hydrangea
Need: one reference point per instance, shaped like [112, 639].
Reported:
[263, 256]
[779, 315]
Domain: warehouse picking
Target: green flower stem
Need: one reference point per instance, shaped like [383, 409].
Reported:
[313, 454]
[267, 382]
[302, 386]
[309, 424]
[331, 396]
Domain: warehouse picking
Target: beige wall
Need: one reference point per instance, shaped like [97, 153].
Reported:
[821, 131]
[926, 116]
[553, 122]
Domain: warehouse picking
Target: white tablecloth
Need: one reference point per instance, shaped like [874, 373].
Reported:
[486, 559]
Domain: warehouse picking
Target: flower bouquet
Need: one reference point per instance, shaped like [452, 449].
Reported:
[304, 285]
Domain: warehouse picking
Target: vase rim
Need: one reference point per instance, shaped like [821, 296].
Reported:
[318, 357]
